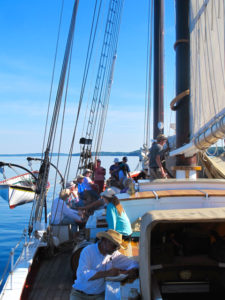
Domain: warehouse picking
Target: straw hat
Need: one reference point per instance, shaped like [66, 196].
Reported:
[64, 194]
[78, 178]
[113, 236]
[109, 193]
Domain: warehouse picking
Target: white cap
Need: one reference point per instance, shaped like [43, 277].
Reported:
[116, 160]
[109, 193]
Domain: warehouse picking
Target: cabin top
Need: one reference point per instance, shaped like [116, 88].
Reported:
[184, 215]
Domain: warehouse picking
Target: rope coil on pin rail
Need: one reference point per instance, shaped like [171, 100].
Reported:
[178, 98]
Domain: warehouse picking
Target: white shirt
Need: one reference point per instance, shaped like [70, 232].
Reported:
[61, 210]
[92, 261]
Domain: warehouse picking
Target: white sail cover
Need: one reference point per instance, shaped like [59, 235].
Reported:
[207, 50]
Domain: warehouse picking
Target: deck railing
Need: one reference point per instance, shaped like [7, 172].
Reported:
[12, 258]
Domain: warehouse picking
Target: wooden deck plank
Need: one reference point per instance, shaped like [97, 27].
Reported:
[54, 278]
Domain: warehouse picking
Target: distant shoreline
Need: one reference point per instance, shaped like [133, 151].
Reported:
[133, 153]
[211, 151]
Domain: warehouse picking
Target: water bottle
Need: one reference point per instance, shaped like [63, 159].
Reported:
[133, 294]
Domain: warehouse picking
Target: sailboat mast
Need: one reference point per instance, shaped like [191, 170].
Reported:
[182, 48]
[158, 116]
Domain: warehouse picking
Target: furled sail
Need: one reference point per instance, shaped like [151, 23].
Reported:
[207, 65]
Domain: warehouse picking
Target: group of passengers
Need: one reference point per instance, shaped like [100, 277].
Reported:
[83, 195]
[101, 259]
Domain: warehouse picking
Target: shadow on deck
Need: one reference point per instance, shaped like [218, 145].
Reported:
[50, 278]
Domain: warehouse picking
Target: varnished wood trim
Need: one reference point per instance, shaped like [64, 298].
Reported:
[174, 193]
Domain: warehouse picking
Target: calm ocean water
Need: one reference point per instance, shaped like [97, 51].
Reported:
[14, 221]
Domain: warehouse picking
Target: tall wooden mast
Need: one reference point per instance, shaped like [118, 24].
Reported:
[182, 48]
[158, 116]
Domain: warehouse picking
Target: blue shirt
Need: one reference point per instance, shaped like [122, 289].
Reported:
[86, 183]
[81, 188]
[117, 222]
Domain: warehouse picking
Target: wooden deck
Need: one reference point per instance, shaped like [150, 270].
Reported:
[53, 280]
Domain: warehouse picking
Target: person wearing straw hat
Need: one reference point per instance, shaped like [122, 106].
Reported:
[98, 261]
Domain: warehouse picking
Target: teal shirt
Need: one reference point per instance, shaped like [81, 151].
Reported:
[117, 222]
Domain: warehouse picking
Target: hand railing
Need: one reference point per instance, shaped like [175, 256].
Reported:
[11, 259]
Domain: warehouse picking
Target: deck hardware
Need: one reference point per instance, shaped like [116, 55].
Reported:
[206, 194]
[156, 195]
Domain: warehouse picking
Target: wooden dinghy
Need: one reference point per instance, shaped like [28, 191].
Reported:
[18, 190]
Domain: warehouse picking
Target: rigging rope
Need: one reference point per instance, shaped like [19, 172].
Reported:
[53, 75]
[108, 85]
[101, 79]
[43, 177]
[148, 84]
[95, 21]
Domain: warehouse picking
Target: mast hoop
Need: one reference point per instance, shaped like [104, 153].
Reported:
[178, 98]
[179, 42]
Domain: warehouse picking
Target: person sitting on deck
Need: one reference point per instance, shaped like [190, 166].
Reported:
[85, 193]
[99, 175]
[88, 183]
[116, 216]
[62, 214]
[124, 171]
[80, 187]
[98, 261]
[128, 184]
[73, 200]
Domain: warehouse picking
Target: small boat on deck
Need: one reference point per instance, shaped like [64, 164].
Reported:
[18, 190]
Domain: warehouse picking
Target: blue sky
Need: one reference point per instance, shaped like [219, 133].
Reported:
[28, 31]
